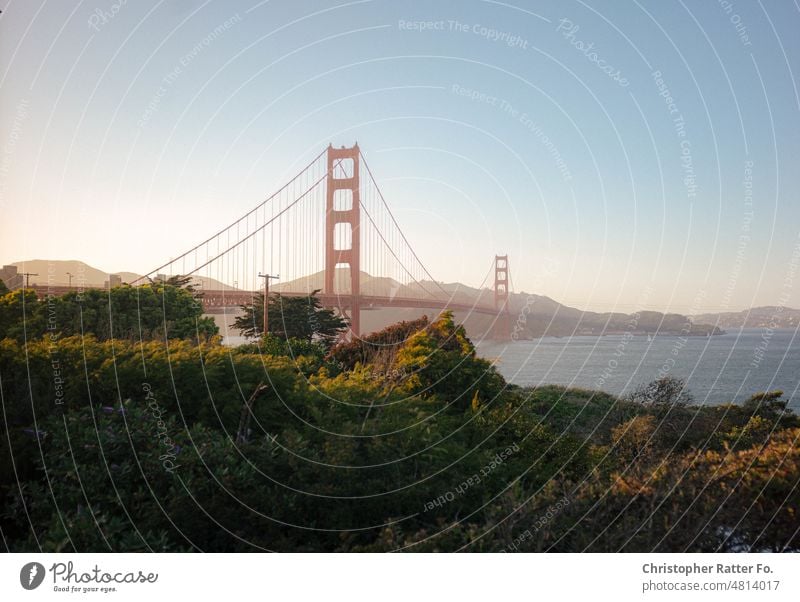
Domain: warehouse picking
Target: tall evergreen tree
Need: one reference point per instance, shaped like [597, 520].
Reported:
[291, 318]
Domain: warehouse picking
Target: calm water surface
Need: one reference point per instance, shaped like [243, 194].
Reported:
[718, 369]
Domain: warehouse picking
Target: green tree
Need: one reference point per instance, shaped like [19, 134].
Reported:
[114, 443]
[21, 315]
[441, 360]
[378, 348]
[667, 391]
[301, 318]
[151, 311]
[766, 404]
[180, 281]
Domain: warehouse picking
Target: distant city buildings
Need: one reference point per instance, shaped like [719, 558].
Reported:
[113, 281]
[11, 277]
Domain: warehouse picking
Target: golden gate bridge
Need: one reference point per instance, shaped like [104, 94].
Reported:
[328, 229]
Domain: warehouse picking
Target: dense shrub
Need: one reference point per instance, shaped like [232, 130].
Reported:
[405, 441]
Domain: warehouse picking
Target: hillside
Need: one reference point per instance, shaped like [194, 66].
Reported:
[768, 316]
[534, 315]
[55, 272]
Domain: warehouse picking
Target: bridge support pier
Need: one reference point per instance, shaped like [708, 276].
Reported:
[344, 209]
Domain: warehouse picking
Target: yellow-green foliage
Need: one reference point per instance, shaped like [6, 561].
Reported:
[422, 447]
[157, 311]
[441, 360]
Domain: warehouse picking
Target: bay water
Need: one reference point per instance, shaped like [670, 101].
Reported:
[717, 369]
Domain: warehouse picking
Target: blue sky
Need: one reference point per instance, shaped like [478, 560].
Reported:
[493, 128]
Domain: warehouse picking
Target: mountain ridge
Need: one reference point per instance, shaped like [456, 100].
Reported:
[764, 316]
[532, 315]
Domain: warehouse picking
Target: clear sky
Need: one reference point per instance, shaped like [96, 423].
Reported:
[624, 155]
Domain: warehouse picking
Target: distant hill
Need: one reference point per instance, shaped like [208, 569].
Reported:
[55, 272]
[534, 315]
[768, 316]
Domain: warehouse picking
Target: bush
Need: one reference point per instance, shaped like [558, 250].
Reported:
[664, 392]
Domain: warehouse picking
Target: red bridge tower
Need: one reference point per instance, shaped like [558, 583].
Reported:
[344, 210]
[502, 324]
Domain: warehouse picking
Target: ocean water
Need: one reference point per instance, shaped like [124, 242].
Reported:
[717, 369]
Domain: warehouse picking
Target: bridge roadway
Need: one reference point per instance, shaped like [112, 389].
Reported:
[216, 301]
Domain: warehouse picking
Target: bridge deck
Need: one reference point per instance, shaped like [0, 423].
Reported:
[221, 299]
[217, 300]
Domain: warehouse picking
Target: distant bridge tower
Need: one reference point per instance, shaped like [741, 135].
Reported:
[502, 324]
[344, 210]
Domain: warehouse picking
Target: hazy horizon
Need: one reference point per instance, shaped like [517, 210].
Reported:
[621, 308]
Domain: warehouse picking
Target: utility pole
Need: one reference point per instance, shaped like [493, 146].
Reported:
[69, 275]
[266, 278]
[28, 278]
